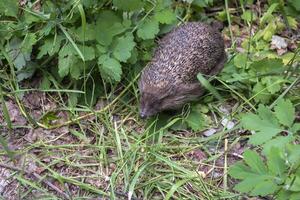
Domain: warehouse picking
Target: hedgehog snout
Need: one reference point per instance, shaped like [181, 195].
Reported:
[149, 105]
[147, 111]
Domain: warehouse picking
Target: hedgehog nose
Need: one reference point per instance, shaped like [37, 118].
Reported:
[143, 115]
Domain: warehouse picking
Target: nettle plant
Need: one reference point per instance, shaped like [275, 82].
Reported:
[76, 42]
[257, 67]
[277, 171]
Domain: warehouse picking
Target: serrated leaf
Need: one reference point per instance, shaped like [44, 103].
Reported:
[195, 120]
[86, 35]
[269, 31]
[240, 171]
[14, 51]
[148, 29]
[265, 113]
[247, 184]
[275, 163]
[255, 162]
[45, 84]
[272, 83]
[76, 68]
[28, 42]
[247, 16]
[66, 59]
[285, 112]
[261, 94]
[265, 130]
[292, 22]
[27, 71]
[279, 141]
[162, 4]
[50, 46]
[295, 128]
[64, 65]
[88, 52]
[268, 15]
[128, 5]
[108, 25]
[9, 7]
[293, 152]
[267, 65]
[166, 16]
[67, 50]
[240, 60]
[123, 48]
[264, 188]
[110, 67]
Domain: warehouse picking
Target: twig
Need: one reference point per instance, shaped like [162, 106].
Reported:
[225, 165]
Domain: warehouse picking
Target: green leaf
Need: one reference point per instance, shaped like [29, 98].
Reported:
[88, 52]
[285, 112]
[255, 162]
[76, 68]
[86, 35]
[247, 184]
[265, 113]
[247, 16]
[45, 84]
[292, 22]
[292, 183]
[265, 130]
[64, 65]
[202, 3]
[293, 152]
[275, 163]
[195, 120]
[295, 196]
[279, 141]
[272, 83]
[9, 7]
[264, 188]
[28, 42]
[4, 111]
[110, 68]
[267, 17]
[128, 5]
[148, 29]
[240, 171]
[267, 65]
[125, 45]
[166, 16]
[66, 59]
[108, 25]
[14, 50]
[240, 60]
[50, 47]
[295, 4]
[295, 128]
[261, 93]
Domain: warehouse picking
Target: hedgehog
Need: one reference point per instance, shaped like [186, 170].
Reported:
[169, 80]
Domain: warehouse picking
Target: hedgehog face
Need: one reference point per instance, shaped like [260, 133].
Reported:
[169, 98]
[150, 105]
